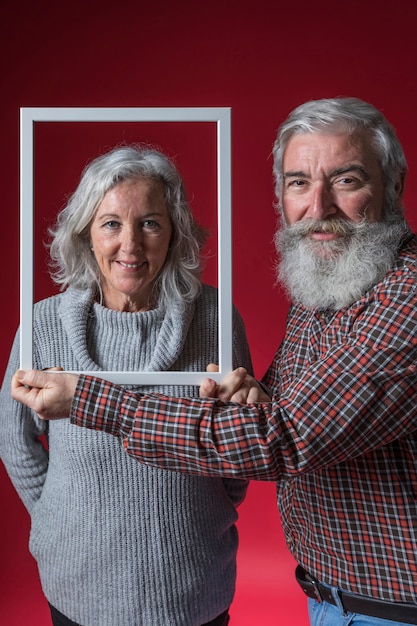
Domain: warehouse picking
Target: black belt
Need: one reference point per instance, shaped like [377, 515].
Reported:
[405, 613]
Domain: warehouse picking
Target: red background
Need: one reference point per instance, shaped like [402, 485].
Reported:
[261, 58]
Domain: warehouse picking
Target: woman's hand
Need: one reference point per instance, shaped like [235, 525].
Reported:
[47, 393]
[238, 386]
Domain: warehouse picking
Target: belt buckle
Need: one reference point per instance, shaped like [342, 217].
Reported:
[316, 589]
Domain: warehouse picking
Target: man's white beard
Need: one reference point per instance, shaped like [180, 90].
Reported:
[334, 274]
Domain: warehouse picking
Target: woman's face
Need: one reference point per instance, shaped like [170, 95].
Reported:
[130, 236]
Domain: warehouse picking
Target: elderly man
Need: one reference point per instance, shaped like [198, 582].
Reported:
[339, 435]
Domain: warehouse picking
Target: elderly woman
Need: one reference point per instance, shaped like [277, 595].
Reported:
[118, 543]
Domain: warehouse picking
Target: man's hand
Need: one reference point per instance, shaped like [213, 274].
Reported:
[238, 386]
[47, 393]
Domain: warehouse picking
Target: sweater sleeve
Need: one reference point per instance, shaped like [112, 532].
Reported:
[22, 452]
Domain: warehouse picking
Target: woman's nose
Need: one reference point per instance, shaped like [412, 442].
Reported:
[131, 239]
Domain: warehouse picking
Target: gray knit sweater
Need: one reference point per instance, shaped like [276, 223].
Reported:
[118, 543]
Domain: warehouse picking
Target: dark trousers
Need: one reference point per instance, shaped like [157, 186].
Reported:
[60, 620]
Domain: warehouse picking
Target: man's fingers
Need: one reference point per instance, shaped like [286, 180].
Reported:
[19, 391]
[30, 396]
[33, 378]
[212, 367]
[208, 388]
[257, 394]
[238, 386]
[231, 384]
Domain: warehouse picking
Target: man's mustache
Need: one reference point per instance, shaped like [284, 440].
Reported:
[337, 226]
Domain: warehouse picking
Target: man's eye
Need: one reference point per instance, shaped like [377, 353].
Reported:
[348, 181]
[296, 183]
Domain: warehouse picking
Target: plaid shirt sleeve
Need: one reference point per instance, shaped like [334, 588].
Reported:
[353, 392]
[305, 429]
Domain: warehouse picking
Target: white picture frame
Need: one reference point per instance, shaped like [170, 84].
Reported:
[219, 115]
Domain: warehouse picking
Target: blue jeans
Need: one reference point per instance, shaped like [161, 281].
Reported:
[325, 614]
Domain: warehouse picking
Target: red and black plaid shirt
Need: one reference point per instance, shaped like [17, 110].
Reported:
[339, 436]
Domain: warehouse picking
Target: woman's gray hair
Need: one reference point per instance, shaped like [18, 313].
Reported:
[347, 115]
[72, 262]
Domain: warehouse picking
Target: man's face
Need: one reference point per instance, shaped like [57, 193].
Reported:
[335, 243]
[327, 176]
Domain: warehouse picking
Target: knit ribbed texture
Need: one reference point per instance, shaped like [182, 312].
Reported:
[118, 543]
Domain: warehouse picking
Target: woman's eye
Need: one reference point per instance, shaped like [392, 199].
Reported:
[151, 224]
[111, 224]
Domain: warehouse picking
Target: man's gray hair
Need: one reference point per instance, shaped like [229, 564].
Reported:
[347, 115]
[72, 262]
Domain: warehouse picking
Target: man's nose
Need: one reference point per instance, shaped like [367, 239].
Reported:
[322, 203]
